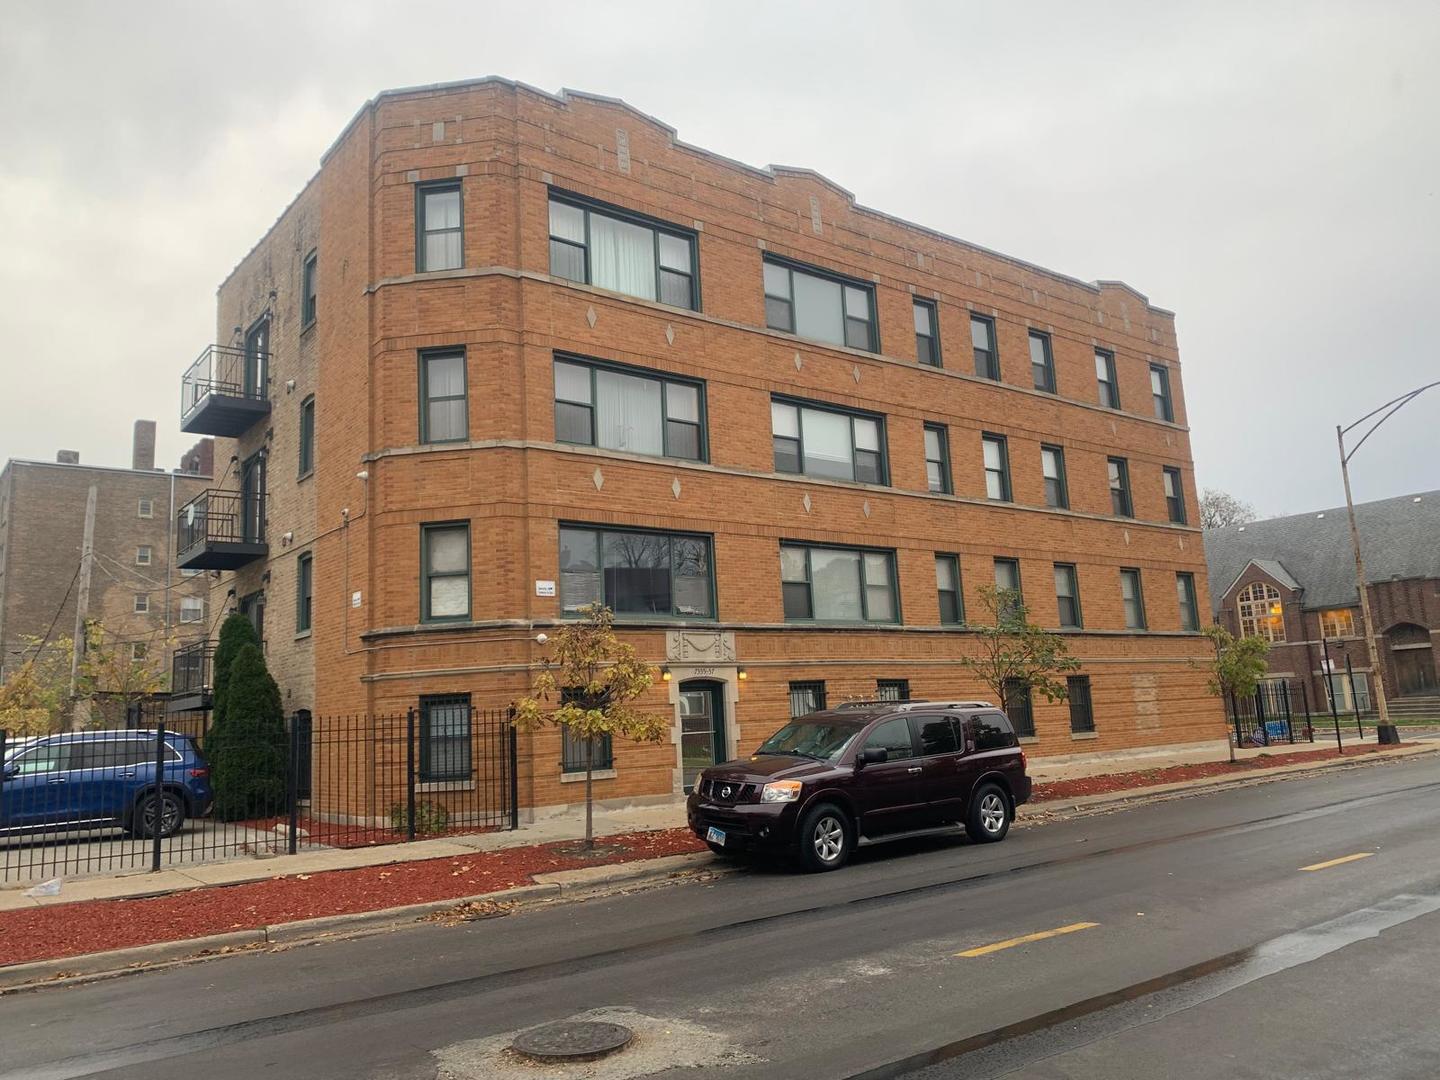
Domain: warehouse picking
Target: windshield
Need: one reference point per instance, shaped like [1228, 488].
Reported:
[823, 740]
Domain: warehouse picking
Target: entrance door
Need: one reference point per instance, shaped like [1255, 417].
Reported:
[253, 608]
[252, 500]
[1415, 670]
[702, 728]
[257, 356]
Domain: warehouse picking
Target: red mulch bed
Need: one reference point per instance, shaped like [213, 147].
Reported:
[1101, 785]
[96, 925]
[317, 833]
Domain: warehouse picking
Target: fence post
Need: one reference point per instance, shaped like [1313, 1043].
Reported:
[1305, 701]
[1260, 715]
[292, 784]
[156, 801]
[1289, 713]
[514, 747]
[410, 774]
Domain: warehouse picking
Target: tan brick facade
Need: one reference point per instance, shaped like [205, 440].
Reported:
[513, 482]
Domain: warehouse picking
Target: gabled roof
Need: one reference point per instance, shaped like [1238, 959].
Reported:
[1400, 538]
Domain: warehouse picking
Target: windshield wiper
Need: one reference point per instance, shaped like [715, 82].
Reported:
[794, 753]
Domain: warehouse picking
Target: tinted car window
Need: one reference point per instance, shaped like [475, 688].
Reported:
[51, 757]
[894, 736]
[992, 731]
[937, 735]
[110, 753]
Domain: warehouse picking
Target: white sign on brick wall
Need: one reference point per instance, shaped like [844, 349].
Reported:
[544, 588]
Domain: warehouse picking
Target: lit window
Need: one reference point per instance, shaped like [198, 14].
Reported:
[1261, 614]
[1338, 622]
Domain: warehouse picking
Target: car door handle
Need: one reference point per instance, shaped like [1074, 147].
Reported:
[914, 768]
[129, 775]
[56, 780]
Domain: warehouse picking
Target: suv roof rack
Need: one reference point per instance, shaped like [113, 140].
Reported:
[914, 703]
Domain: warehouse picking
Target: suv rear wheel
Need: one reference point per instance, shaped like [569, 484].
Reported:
[826, 838]
[989, 817]
[171, 814]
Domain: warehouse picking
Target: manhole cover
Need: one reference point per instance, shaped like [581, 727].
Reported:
[581, 1040]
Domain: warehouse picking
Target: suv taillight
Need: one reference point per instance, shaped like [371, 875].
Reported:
[200, 774]
[1022, 759]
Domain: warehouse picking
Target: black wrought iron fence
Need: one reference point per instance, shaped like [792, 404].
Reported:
[181, 792]
[1278, 712]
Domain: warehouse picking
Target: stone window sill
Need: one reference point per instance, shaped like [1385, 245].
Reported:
[579, 777]
[1026, 740]
[1079, 735]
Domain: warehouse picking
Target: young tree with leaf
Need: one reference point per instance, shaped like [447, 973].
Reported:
[587, 685]
[1012, 648]
[36, 695]
[1238, 667]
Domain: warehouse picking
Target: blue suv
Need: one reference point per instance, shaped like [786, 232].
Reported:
[97, 778]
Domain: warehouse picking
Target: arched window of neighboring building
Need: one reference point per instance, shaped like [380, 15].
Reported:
[1260, 613]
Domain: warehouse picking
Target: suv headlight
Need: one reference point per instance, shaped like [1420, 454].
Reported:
[781, 791]
[699, 783]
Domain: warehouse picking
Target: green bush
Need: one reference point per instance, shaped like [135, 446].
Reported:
[235, 633]
[248, 746]
[430, 818]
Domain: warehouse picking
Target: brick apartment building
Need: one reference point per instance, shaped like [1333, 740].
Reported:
[131, 586]
[1291, 580]
[508, 353]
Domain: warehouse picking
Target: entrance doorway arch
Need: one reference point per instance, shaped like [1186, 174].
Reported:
[1413, 657]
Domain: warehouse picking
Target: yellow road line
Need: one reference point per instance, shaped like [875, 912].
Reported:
[1337, 862]
[985, 950]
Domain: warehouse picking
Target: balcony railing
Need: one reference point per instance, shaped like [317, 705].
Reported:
[190, 676]
[225, 391]
[220, 530]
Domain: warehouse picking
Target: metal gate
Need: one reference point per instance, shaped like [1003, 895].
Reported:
[1269, 716]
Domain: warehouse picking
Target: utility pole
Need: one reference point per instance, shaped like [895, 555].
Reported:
[81, 711]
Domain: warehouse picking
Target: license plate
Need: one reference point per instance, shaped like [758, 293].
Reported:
[715, 836]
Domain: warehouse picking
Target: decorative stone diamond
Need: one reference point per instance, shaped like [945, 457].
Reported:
[798, 362]
[591, 317]
[855, 371]
[675, 487]
[669, 335]
[1126, 534]
[865, 508]
[599, 478]
[805, 502]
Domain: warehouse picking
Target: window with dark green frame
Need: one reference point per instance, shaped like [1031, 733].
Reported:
[445, 738]
[1174, 495]
[1052, 469]
[636, 573]
[982, 339]
[439, 227]
[444, 571]
[1106, 384]
[444, 416]
[309, 306]
[1160, 392]
[1042, 364]
[624, 252]
[997, 467]
[1019, 707]
[828, 442]
[304, 591]
[816, 304]
[927, 333]
[1186, 598]
[1067, 595]
[947, 584]
[1082, 708]
[618, 408]
[307, 436]
[1120, 503]
[937, 458]
[829, 584]
[1132, 597]
[1007, 576]
[572, 747]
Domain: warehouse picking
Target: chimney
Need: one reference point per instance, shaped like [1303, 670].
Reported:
[68, 457]
[142, 454]
[199, 460]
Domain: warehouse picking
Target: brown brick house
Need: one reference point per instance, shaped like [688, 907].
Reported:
[511, 352]
[1292, 581]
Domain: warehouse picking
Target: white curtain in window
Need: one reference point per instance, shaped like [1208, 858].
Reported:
[879, 599]
[836, 583]
[828, 445]
[818, 313]
[627, 413]
[622, 257]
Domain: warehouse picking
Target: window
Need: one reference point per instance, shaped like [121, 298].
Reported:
[192, 609]
[1007, 575]
[1260, 612]
[146, 508]
[1189, 608]
[1082, 710]
[1042, 364]
[1019, 707]
[1160, 392]
[596, 405]
[572, 752]
[1052, 468]
[937, 735]
[439, 230]
[444, 572]
[1174, 495]
[308, 305]
[142, 555]
[142, 603]
[443, 413]
[1120, 487]
[828, 443]
[806, 698]
[1108, 387]
[947, 581]
[824, 307]
[304, 591]
[982, 338]
[623, 252]
[1339, 622]
[1067, 595]
[445, 737]
[1133, 599]
[997, 467]
[892, 736]
[992, 731]
[838, 584]
[892, 689]
[307, 436]
[937, 458]
[636, 573]
[139, 651]
[1338, 687]
[927, 334]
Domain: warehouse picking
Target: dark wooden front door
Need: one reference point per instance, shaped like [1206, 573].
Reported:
[1415, 670]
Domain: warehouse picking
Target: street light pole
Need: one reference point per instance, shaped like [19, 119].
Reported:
[1385, 731]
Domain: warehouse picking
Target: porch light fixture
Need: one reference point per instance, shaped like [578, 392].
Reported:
[665, 674]
[742, 674]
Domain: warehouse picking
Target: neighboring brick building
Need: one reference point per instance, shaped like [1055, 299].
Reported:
[508, 352]
[134, 591]
[1292, 581]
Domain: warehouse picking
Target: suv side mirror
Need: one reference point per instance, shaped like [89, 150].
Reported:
[871, 755]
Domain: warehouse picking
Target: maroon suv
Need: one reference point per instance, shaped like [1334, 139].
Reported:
[867, 769]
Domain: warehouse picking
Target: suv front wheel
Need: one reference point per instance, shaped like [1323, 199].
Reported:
[826, 838]
[989, 817]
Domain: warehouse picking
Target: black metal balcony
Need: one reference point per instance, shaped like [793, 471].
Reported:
[191, 672]
[225, 391]
[220, 530]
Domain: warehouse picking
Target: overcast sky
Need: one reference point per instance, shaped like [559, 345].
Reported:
[1266, 170]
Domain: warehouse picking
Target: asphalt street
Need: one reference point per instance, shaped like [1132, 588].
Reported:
[1285, 929]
